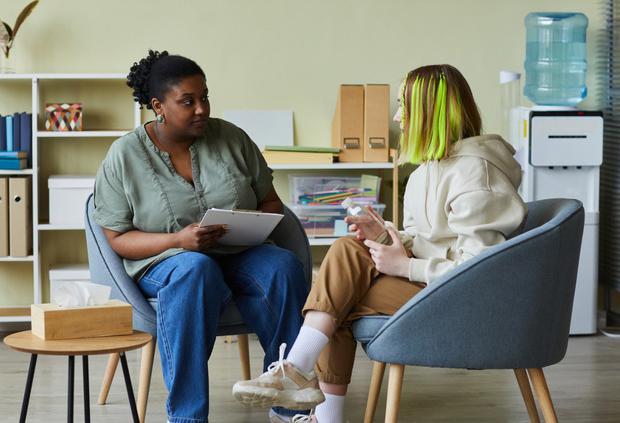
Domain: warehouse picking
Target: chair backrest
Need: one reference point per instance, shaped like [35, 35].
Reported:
[106, 267]
[509, 307]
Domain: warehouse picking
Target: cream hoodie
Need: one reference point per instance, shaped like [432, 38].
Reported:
[456, 207]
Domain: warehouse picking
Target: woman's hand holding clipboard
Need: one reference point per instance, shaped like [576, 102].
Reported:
[245, 228]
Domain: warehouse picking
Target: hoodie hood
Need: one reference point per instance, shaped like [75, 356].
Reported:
[492, 148]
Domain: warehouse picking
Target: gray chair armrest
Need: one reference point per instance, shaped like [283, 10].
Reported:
[487, 312]
[289, 234]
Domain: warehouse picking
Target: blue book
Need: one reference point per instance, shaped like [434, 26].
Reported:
[25, 142]
[9, 133]
[13, 155]
[13, 164]
[17, 131]
[2, 133]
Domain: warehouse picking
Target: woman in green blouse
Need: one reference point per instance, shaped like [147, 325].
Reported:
[153, 186]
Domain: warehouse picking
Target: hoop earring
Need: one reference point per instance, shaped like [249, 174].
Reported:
[160, 119]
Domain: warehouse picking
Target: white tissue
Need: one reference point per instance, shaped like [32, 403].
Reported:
[80, 294]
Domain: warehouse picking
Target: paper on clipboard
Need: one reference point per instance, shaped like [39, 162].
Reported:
[244, 227]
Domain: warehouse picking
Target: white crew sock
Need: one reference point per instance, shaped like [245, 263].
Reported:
[331, 410]
[307, 348]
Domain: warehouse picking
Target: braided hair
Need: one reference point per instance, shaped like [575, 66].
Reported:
[156, 73]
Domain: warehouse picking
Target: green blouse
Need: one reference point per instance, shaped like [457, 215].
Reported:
[137, 187]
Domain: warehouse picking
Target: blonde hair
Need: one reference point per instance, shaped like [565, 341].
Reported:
[438, 109]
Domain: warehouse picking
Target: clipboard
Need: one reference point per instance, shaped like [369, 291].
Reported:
[244, 227]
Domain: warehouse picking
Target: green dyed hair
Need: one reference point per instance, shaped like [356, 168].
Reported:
[438, 109]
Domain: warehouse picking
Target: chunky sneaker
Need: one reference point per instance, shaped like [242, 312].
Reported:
[282, 385]
[297, 418]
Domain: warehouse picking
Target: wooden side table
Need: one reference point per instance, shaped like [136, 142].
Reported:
[29, 343]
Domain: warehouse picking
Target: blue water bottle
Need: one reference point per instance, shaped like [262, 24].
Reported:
[555, 58]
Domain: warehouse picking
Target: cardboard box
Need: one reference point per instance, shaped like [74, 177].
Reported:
[376, 123]
[4, 216]
[68, 195]
[50, 321]
[348, 123]
[20, 216]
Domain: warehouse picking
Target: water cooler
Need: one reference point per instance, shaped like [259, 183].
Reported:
[559, 147]
[560, 152]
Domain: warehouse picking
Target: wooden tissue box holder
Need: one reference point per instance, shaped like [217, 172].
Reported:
[50, 321]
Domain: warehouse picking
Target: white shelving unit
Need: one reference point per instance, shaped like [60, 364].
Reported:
[22, 313]
[393, 166]
[81, 134]
[332, 166]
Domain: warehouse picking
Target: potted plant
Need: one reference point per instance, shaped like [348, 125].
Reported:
[7, 37]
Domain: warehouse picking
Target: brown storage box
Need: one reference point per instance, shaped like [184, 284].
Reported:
[348, 123]
[376, 123]
[50, 321]
[20, 216]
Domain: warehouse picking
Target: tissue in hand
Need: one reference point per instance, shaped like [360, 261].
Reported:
[80, 294]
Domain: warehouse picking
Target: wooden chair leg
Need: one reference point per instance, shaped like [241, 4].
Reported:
[107, 378]
[244, 354]
[542, 393]
[146, 369]
[378, 369]
[526, 393]
[395, 384]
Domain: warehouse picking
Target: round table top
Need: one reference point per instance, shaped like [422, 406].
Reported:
[27, 342]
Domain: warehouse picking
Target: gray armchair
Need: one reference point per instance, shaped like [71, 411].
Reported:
[508, 308]
[106, 267]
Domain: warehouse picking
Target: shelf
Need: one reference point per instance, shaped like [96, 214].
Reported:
[331, 166]
[13, 76]
[322, 241]
[81, 134]
[43, 141]
[48, 227]
[10, 319]
[16, 172]
[14, 313]
[16, 259]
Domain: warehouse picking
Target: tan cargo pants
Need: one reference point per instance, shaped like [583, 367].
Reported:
[349, 287]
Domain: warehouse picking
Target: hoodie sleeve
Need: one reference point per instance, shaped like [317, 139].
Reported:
[480, 219]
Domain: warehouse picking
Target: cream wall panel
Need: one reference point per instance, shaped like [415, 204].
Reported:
[291, 53]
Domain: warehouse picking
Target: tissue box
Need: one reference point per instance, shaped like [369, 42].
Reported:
[50, 321]
[63, 117]
[61, 274]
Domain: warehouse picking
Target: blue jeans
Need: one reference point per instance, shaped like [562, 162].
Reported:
[267, 284]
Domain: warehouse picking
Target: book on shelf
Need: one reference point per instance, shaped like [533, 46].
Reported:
[13, 155]
[17, 131]
[13, 164]
[26, 136]
[2, 133]
[286, 157]
[9, 133]
[16, 140]
[302, 149]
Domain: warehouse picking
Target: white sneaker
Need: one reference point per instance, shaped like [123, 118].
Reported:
[297, 418]
[282, 385]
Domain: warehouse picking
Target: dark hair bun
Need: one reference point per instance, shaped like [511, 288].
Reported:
[138, 78]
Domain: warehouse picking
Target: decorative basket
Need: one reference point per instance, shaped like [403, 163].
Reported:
[63, 117]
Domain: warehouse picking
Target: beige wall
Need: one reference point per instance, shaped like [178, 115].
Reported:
[272, 54]
[289, 54]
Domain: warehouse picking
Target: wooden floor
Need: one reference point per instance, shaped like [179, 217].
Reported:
[585, 388]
